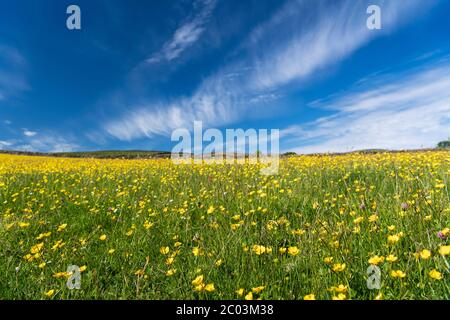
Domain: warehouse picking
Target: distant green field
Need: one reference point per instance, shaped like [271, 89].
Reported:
[107, 154]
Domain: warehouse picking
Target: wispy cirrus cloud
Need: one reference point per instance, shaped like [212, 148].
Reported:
[5, 144]
[186, 34]
[48, 142]
[389, 111]
[12, 73]
[299, 41]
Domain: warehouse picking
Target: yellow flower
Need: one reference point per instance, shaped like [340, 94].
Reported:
[164, 250]
[200, 287]
[340, 296]
[195, 251]
[258, 289]
[111, 251]
[309, 297]
[259, 249]
[425, 254]
[103, 237]
[358, 220]
[328, 260]
[293, 251]
[339, 267]
[339, 289]
[37, 248]
[444, 250]
[62, 227]
[61, 275]
[218, 263]
[129, 233]
[198, 280]
[240, 291]
[398, 274]
[139, 272]
[393, 239]
[209, 287]
[436, 275]
[83, 268]
[49, 293]
[249, 296]
[211, 210]
[171, 272]
[170, 260]
[42, 265]
[282, 250]
[376, 260]
[391, 258]
[148, 224]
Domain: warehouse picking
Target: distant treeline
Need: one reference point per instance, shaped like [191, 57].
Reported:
[140, 154]
[114, 154]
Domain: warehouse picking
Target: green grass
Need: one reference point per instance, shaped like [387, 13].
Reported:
[319, 196]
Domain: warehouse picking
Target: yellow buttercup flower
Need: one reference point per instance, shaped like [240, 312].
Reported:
[258, 289]
[398, 274]
[425, 254]
[340, 296]
[259, 249]
[391, 258]
[198, 280]
[436, 275]
[209, 287]
[49, 293]
[195, 251]
[393, 239]
[139, 272]
[444, 250]
[164, 250]
[293, 251]
[376, 260]
[249, 296]
[339, 267]
[103, 237]
[171, 272]
[328, 260]
[339, 289]
[309, 297]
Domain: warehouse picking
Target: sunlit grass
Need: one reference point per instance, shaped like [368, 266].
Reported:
[149, 229]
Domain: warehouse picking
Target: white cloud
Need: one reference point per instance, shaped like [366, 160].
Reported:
[52, 143]
[5, 144]
[405, 111]
[297, 43]
[29, 133]
[12, 73]
[186, 35]
[47, 142]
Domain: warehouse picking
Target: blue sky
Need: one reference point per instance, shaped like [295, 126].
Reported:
[138, 70]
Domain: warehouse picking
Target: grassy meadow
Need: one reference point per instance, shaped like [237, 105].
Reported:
[150, 229]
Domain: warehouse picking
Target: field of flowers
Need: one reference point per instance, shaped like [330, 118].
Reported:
[150, 229]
